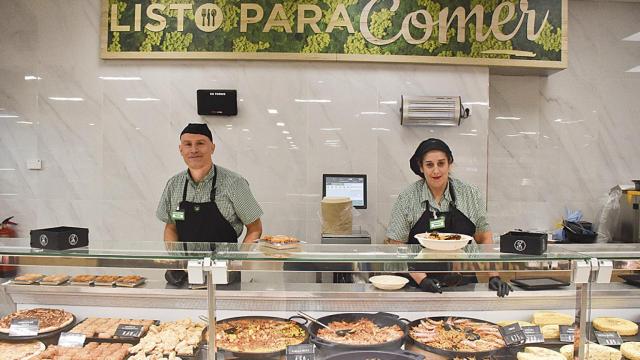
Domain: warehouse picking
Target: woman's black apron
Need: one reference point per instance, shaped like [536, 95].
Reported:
[454, 222]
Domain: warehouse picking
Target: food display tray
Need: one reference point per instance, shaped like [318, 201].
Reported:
[123, 340]
[41, 336]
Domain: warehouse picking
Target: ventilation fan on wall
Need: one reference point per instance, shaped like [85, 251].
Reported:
[432, 110]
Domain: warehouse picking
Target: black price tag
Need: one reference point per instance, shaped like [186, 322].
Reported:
[533, 334]
[512, 334]
[301, 352]
[567, 333]
[69, 339]
[130, 331]
[24, 327]
[608, 338]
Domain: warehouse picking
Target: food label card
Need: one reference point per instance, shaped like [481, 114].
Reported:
[567, 333]
[24, 327]
[131, 331]
[512, 334]
[608, 338]
[301, 352]
[69, 339]
[533, 334]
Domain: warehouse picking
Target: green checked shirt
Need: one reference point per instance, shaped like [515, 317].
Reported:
[412, 202]
[233, 197]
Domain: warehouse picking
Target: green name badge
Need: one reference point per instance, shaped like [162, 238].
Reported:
[436, 224]
[177, 215]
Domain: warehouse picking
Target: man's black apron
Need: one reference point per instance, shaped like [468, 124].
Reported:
[203, 222]
[455, 222]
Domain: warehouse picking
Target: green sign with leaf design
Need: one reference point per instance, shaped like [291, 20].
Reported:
[517, 33]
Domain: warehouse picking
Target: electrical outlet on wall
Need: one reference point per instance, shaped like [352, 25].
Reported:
[34, 164]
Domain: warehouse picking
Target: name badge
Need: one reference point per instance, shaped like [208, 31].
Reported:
[436, 224]
[177, 215]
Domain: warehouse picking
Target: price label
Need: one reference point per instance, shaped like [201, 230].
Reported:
[512, 334]
[130, 331]
[533, 334]
[24, 327]
[301, 352]
[69, 339]
[567, 333]
[608, 338]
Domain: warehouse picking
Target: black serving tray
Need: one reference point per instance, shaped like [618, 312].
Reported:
[41, 336]
[542, 283]
[121, 340]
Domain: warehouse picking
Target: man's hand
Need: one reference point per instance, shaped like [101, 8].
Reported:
[501, 287]
[254, 231]
[430, 285]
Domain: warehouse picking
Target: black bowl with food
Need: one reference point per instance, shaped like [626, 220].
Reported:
[447, 337]
[259, 337]
[377, 355]
[379, 331]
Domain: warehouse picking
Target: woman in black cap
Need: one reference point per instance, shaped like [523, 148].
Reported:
[439, 203]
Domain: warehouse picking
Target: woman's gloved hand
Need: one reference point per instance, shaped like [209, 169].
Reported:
[501, 287]
[430, 285]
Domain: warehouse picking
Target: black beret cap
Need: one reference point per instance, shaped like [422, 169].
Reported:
[425, 147]
[201, 129]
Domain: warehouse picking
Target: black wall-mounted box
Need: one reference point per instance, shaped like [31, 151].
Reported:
[217, 102]
[518, 242]
[59, 238]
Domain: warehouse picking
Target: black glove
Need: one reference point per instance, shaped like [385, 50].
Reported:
[430, 285]
[502, 288]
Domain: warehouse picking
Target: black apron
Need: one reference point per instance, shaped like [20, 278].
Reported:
[455, 222]
[203, 222]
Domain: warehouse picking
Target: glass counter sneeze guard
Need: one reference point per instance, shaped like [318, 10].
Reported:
[360, 261]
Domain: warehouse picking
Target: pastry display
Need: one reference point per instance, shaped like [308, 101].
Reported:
[552, 318]
[20, 350]
[458, 334]
[27, 279]
[631, 350]
[169, 340]
[91, 351]
[83, 279]
[550, 332]
[361, 332]
[105, 328]
[49, 319]
[258, 335]
[596, 352]
[130, 281]
[106, 280]
[621, 326]
[539, 353]
[57, 279]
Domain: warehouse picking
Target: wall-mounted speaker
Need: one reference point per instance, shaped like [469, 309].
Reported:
[217, 102]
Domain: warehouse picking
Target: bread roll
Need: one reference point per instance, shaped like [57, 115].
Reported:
[552, 318]
[631, 350]
[622, 326]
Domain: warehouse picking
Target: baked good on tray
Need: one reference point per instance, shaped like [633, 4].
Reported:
[105, 328]
[57, 279]
[621, 326]
[20, 350]
[130, 280]
[91, 351]
[106, 280]
[49, 319]
[83, 279]
[27, 279]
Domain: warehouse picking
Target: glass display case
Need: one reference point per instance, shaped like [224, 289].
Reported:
[270, 284]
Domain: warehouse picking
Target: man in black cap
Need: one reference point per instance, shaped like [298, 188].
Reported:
[439, 203]
[206, 202]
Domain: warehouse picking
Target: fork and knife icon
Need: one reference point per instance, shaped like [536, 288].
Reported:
[207, 17]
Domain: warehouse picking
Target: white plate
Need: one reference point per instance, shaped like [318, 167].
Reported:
[443, 245]
[388, 282]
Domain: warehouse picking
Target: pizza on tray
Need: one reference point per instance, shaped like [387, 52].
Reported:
[49, 319]
[20, 350]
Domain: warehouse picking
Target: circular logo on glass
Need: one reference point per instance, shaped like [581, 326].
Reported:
[73, 239]
[520, 245]
[44, 240]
